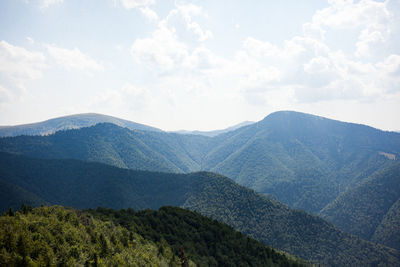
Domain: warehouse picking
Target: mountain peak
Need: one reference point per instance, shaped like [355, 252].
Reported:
[284, 114]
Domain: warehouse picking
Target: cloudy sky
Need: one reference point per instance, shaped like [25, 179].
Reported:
[200, 64]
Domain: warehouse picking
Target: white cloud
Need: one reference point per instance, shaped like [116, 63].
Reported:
[73, 59]
[165, 50]
[17, 67]
[188, 12]
[374, 22]
[161, 51]
[303, 69]
[30, 40]
[391, 65]
[350, 14]
[317, 65]
[183, 15]
[130, 4]
[5, 95]
[20, 62]
[128, 98]
[47, 3]
[142, 6]
[317, 72]
[149, 14]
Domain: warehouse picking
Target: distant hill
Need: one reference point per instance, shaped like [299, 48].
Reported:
[84, 185]
[70, 122]
[111, 144]
[370, 205]
[216, 132]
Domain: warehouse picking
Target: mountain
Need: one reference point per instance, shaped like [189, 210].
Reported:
[70, 122]
[216, 132]
[363, 208]
[85, 185]
[305, 161]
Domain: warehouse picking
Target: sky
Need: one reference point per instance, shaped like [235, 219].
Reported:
[200, 65]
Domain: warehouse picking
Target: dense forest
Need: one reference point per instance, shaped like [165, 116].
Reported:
[56, 236]
[365, 208]
[89, 185]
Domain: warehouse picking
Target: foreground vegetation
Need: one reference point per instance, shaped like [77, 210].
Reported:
[56, 236]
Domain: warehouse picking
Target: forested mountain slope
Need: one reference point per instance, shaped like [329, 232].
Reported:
[388, 231]
[111, 144]
[84, 185]
[361, 209]
[70, 122]
[206, 242]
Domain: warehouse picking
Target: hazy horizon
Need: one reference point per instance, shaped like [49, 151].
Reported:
[200, 65]
[191, 130]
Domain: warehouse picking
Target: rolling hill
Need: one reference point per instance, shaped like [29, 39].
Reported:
[85, 185]
[70, 122]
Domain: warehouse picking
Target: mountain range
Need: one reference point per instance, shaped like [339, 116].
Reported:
[346, 173]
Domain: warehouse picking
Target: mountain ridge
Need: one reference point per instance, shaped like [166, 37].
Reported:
[68, 122]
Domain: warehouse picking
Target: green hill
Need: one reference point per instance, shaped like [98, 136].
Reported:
[360, 210]
[85, 185]
[388, 231]
[206, 242]
[111, 144]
